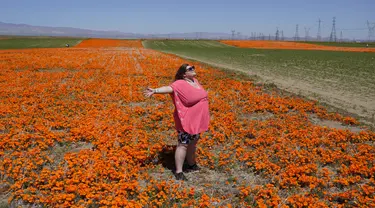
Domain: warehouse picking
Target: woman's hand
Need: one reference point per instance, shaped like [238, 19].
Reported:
[149, 92]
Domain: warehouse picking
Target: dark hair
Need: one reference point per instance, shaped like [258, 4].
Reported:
[180, 72]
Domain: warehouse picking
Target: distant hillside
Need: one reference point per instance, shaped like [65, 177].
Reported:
[9, 29]
[30, 30]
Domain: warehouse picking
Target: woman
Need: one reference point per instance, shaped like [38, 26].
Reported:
[191, 115]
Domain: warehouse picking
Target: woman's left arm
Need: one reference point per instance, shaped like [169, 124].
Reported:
[161, 90]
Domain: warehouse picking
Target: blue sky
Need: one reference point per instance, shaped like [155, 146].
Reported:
[167, 16]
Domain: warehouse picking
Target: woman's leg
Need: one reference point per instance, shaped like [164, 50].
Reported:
[190, 155]
[179, 156]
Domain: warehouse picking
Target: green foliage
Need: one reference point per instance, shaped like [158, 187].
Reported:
[37, 42]
[350, 72]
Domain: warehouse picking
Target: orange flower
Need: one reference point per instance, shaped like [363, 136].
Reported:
[290, 45]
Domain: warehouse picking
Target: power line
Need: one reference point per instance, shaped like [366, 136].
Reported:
[352, 29]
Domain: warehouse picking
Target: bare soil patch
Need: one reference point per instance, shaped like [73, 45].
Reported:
[332, 124]
[58, 151]
[4, 194]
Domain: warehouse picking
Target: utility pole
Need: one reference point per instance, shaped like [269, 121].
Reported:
[319, 35]
[296, 35]
[333, 32]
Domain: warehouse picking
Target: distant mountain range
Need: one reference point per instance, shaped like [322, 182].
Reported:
[30, 30]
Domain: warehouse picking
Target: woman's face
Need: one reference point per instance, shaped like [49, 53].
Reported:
[190, 72]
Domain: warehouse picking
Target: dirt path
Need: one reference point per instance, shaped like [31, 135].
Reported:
[363, 107]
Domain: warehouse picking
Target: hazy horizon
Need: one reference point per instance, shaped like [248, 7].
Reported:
[166, 16]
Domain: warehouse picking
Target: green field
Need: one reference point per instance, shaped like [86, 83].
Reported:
[343, 79]
[37, 42]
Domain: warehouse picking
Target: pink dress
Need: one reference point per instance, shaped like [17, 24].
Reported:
[191, 112]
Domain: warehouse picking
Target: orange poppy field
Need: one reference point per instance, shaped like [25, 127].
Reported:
[291, 45]
[105, 43]
[76, 131]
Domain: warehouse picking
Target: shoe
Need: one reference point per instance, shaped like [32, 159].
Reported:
[191, 168]
[180, 176]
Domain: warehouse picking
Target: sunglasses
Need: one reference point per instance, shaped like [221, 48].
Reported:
[190, 68]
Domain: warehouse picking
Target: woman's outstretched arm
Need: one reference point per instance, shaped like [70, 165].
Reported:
[161, 90]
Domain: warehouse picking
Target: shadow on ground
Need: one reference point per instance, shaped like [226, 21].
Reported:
[166, 157]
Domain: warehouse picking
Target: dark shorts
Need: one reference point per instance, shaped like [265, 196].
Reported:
[186, 138]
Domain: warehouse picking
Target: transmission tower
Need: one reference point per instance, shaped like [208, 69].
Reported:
[307, 30]
[341, 36]
[296, 36]
[233, 31]
[277, 34]
[238, 35]
[333, 32]
[371, 30]
[282, 35]
[319, 35]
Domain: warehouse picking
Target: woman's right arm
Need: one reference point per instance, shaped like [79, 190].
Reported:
[161, 90]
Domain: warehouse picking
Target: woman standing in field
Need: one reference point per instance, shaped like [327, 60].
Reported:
[191, 115]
